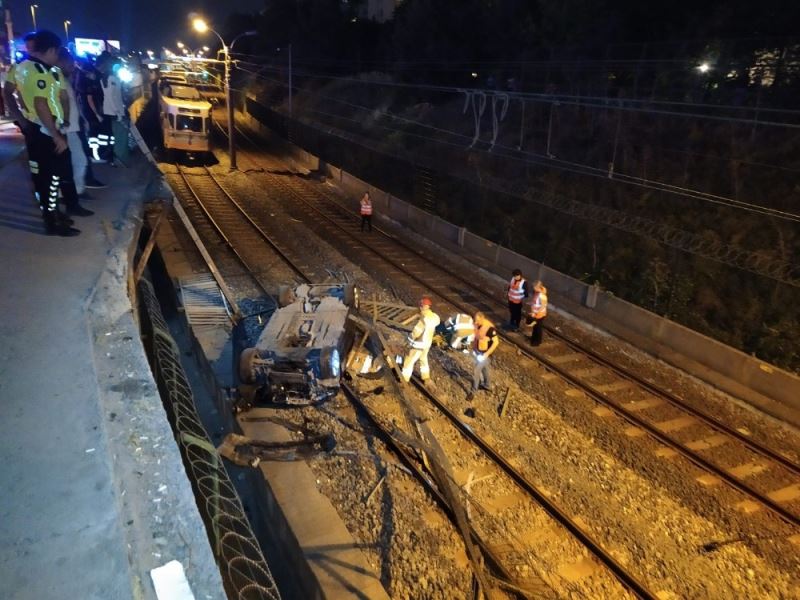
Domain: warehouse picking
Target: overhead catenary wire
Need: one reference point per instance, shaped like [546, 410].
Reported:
[753, 261]
[627, 104]
[552, 161]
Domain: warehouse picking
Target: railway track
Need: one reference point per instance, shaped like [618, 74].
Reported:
[697, 436]
[221, 217]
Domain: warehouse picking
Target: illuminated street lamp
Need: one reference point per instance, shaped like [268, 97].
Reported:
[67, 23]
[200, 26]
[704, 67]
[33, 14]
[180, 45]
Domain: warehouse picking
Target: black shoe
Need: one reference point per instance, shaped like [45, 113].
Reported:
[61, 229]
[79, 211]
[62, 218]
[85, 196]
[95, 185]
[470, 396]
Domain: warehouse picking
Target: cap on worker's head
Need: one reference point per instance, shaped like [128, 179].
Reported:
[516, 273]
[425, 302]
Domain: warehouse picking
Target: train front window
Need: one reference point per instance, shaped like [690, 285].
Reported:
[188, 123]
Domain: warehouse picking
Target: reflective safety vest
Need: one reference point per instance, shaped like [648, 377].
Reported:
[516, 290]
[421, 336]
[366, 207]
[34, 79]
[482, 339]
[539, 305]
[462, 325]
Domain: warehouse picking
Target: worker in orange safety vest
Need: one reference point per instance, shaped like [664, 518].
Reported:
[537, 312]
[420, 340]
[366, 211]
[486, 341]
[517, 292]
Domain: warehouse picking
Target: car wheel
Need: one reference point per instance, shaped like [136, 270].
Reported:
[350, 298]
[330, 363]
[246, 365]
[285, 296]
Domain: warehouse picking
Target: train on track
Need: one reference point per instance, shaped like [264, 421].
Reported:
[185, 119]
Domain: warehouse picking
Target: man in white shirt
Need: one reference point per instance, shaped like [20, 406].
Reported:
[113, 106]
[72, 125]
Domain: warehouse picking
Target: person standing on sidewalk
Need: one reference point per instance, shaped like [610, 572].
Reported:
[90, 101]
[420, 340]
[39, 84]
[366, 211]
[113, 108]
[486, 341]
[72, 122]
[80, 83]
[517, 292]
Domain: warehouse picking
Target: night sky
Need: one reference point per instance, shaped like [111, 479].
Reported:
[138, 24]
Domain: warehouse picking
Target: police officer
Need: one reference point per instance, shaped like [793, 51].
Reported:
[39, 88]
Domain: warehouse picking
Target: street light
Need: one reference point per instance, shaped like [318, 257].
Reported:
[180, 45]
[33, 14]
[67, 23]
[200, 26]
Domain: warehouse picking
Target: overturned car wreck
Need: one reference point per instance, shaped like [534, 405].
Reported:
[298, 357]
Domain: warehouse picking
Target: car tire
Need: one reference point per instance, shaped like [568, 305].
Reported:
[285, 296]
[350, 297]
[326, 360]
[246, 365]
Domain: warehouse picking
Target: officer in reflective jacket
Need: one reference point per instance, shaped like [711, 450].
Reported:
[420, 340]
[39, 87]
[486, 342]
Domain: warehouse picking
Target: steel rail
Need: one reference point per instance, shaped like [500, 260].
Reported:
[413, 465]
[558, 514]
[267, 238]
[216, 226]
[626, 579]
[592, 392]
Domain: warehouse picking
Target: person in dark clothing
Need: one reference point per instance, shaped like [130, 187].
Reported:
[86, 89]
[517, 292]
[90, 103]
[366, 211]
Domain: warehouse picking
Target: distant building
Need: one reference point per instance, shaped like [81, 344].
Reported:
[378, 10]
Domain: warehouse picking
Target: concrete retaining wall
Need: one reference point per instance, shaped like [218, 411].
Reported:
[775, 391]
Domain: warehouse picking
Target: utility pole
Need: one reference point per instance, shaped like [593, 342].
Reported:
[229, 102]
[201, 26]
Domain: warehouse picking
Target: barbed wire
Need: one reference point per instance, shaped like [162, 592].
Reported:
[242, 564]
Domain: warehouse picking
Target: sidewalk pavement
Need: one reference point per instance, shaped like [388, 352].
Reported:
[94, 494]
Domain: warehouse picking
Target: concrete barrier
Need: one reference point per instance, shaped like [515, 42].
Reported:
[774, 390]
